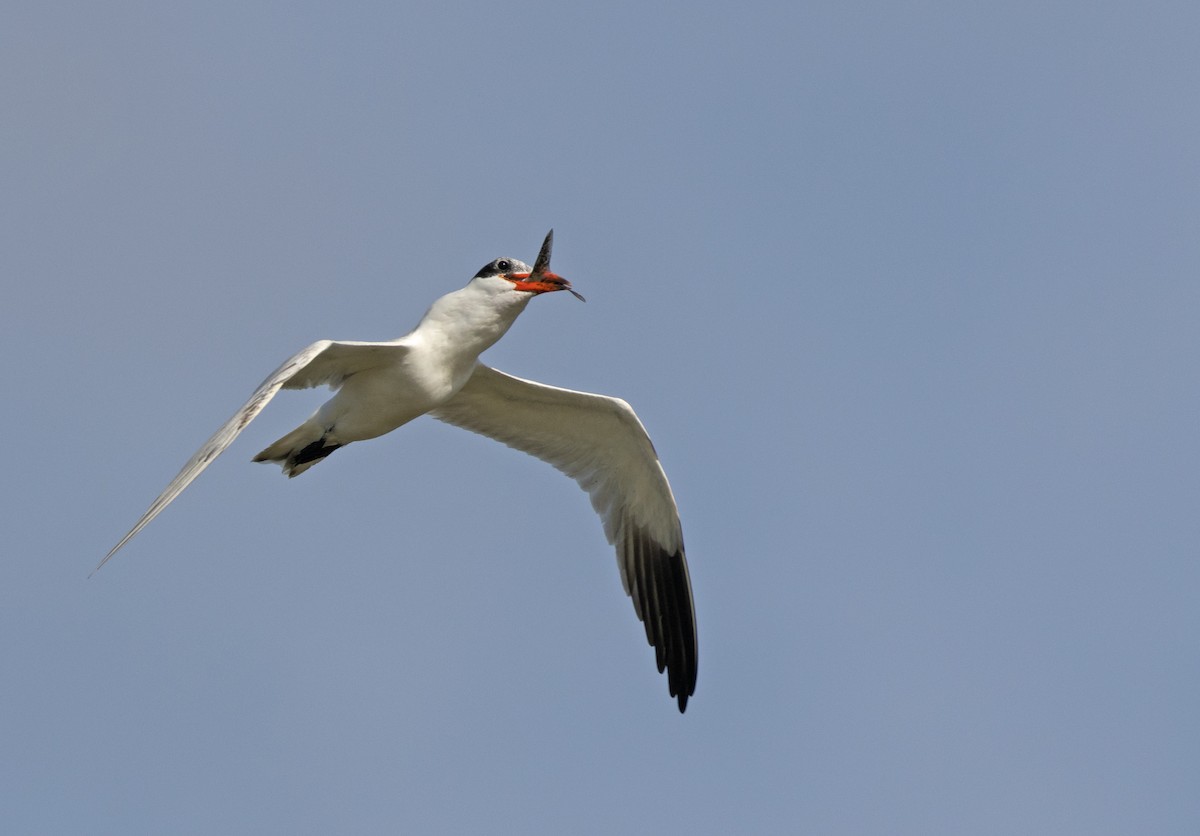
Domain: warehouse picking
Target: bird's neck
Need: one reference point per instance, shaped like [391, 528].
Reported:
[469, 321]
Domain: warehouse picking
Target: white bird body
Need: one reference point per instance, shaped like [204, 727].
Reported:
[396, 382]
[596, 440]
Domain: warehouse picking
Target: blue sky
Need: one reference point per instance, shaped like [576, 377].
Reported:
[905, 294]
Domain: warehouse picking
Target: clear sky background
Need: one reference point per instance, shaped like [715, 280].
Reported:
[905, 293]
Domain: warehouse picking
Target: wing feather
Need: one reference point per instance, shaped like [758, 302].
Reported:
[599, 442]
[324, 362]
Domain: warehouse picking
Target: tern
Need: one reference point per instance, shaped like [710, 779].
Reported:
[434, 370]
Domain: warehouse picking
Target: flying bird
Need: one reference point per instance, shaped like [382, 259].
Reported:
[434, 370]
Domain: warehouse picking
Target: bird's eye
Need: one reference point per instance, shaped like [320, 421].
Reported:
[504, 264]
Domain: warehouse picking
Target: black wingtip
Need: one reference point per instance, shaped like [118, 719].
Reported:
[659, 584]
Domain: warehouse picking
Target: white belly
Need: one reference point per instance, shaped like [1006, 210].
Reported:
[372, 403]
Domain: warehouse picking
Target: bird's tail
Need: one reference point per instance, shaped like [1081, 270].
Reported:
[300, 449]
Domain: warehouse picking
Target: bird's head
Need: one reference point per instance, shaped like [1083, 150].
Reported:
[522, 277]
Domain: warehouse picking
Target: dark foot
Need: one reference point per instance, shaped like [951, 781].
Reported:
[317, 450]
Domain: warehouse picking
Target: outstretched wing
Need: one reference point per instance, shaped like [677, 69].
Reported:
[599, 442]
[323, 362]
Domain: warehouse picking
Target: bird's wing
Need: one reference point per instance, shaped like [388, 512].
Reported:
[323, 362]
[599, 442]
